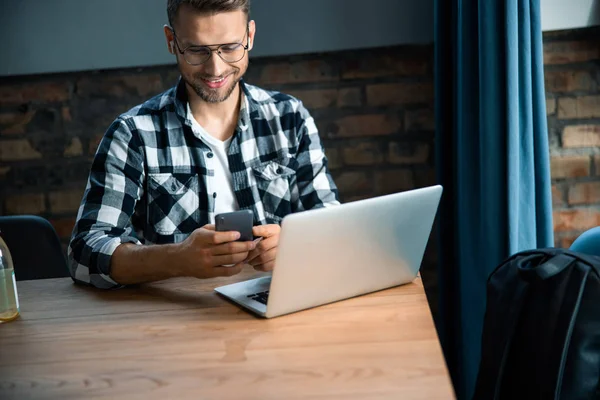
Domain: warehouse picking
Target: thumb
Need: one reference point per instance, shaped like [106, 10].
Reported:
[265, 230]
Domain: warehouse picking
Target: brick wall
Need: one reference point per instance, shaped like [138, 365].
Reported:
[572, 73]
[375, 115]
[374, 111]
[50, 127]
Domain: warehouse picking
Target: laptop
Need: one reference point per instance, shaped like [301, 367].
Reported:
[338, 252]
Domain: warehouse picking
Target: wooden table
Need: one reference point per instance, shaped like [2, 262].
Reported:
[178, 339]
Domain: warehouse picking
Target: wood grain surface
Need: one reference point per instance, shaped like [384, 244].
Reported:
[177, 339]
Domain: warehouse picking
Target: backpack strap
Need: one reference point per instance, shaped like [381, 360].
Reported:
[545, 270]
[567, 311]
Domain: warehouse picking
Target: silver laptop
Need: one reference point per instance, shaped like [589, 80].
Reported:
[334, 253]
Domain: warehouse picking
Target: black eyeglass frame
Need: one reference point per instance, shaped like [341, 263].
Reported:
[211, 50]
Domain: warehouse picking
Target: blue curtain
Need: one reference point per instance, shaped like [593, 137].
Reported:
[492, 158]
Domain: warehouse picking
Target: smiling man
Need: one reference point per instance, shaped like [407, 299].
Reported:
[211, 144]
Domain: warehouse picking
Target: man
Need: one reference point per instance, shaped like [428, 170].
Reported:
[211, 144]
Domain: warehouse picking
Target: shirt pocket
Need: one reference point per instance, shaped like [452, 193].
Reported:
[275, 181]
[173, 202]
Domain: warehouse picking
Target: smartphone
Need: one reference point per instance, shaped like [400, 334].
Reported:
[238, 221]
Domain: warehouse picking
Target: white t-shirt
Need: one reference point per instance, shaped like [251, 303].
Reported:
[221, 183]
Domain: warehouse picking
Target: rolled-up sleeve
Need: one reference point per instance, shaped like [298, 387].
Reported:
[114, 186]
[315, 183]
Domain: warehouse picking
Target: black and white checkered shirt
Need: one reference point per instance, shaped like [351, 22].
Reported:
[151, 177]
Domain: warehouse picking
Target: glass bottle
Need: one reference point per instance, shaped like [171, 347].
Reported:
[9, 299]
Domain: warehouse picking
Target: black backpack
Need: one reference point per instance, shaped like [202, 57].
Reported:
[541, 331]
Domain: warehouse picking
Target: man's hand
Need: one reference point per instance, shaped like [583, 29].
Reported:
[205, 252]
[263, 257]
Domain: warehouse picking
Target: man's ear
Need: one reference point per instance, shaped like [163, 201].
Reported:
[251, 34]
[170, 39]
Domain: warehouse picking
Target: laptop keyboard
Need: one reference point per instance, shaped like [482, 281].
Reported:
[261, 297]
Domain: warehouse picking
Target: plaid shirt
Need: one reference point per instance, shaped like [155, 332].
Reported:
[150, 179]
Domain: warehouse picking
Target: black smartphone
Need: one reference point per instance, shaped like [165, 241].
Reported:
[238, 221]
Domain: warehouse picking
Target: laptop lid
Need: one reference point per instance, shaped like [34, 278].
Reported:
[334, 253]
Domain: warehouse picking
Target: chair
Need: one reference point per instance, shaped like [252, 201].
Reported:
[588, 242]
[34, 246]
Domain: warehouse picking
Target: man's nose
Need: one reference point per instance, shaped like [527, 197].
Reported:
[215, 66]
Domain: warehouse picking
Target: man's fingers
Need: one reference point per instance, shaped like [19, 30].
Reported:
[266, 230]
[266, 267]
[263, 258]
[263, 246]
[233, 248]
[224, 237]
[228, 259]
[210, 237]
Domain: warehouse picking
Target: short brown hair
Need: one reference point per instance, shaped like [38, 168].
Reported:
[208, 7]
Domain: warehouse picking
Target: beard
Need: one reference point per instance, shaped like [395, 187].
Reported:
[216, 95]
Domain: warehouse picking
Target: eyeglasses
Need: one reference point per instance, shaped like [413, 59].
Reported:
[229, 52]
